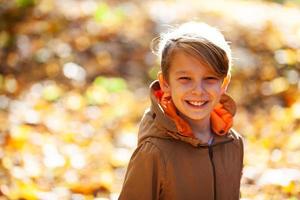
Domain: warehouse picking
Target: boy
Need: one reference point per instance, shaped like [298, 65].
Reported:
[186, 147]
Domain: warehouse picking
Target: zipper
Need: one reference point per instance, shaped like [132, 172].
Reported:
[211, 155]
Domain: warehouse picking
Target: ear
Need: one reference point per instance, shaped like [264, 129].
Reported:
[163, 83]
[225, 83]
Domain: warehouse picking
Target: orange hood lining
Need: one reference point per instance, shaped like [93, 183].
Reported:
[221, 119]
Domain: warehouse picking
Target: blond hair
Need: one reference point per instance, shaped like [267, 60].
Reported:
[197, 39]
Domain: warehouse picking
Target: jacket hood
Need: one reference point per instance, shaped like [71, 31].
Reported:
[157, 123]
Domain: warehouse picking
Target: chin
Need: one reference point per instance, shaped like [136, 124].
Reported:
[197, 117]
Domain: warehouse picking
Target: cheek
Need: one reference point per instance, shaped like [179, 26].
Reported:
[179, 91]
[214, 88]
[215, 92]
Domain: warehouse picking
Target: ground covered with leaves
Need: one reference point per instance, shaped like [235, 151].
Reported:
[74, 79]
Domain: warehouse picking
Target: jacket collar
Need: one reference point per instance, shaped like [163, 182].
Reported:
[164, 122]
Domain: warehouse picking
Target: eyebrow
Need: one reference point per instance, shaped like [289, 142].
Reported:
[181, 72]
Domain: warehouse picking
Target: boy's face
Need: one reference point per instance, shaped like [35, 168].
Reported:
[194, 87]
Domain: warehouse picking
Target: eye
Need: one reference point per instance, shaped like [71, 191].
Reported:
[184, 78]
[211, 78]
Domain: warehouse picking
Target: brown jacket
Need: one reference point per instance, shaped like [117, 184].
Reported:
[169, 166]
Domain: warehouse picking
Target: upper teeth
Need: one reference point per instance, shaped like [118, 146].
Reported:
[197, 103]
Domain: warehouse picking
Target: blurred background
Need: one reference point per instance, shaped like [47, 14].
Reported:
[74, 78]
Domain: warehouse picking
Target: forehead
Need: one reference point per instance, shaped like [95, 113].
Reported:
[183, 62]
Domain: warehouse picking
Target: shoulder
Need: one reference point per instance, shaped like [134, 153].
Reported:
[148, 150]
[237, 136]
[163, 147]
[161, 144]
[239, 141]
[147, 147]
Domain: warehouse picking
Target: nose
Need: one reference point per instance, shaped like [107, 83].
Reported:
[198, 88]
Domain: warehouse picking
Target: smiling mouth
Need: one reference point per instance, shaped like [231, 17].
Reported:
[197, 104]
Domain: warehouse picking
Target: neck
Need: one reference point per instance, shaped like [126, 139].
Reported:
[201, 127]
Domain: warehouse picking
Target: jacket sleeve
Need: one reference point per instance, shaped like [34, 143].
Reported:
[145, 174]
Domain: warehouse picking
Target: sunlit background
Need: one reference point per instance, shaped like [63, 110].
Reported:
[74, 78]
